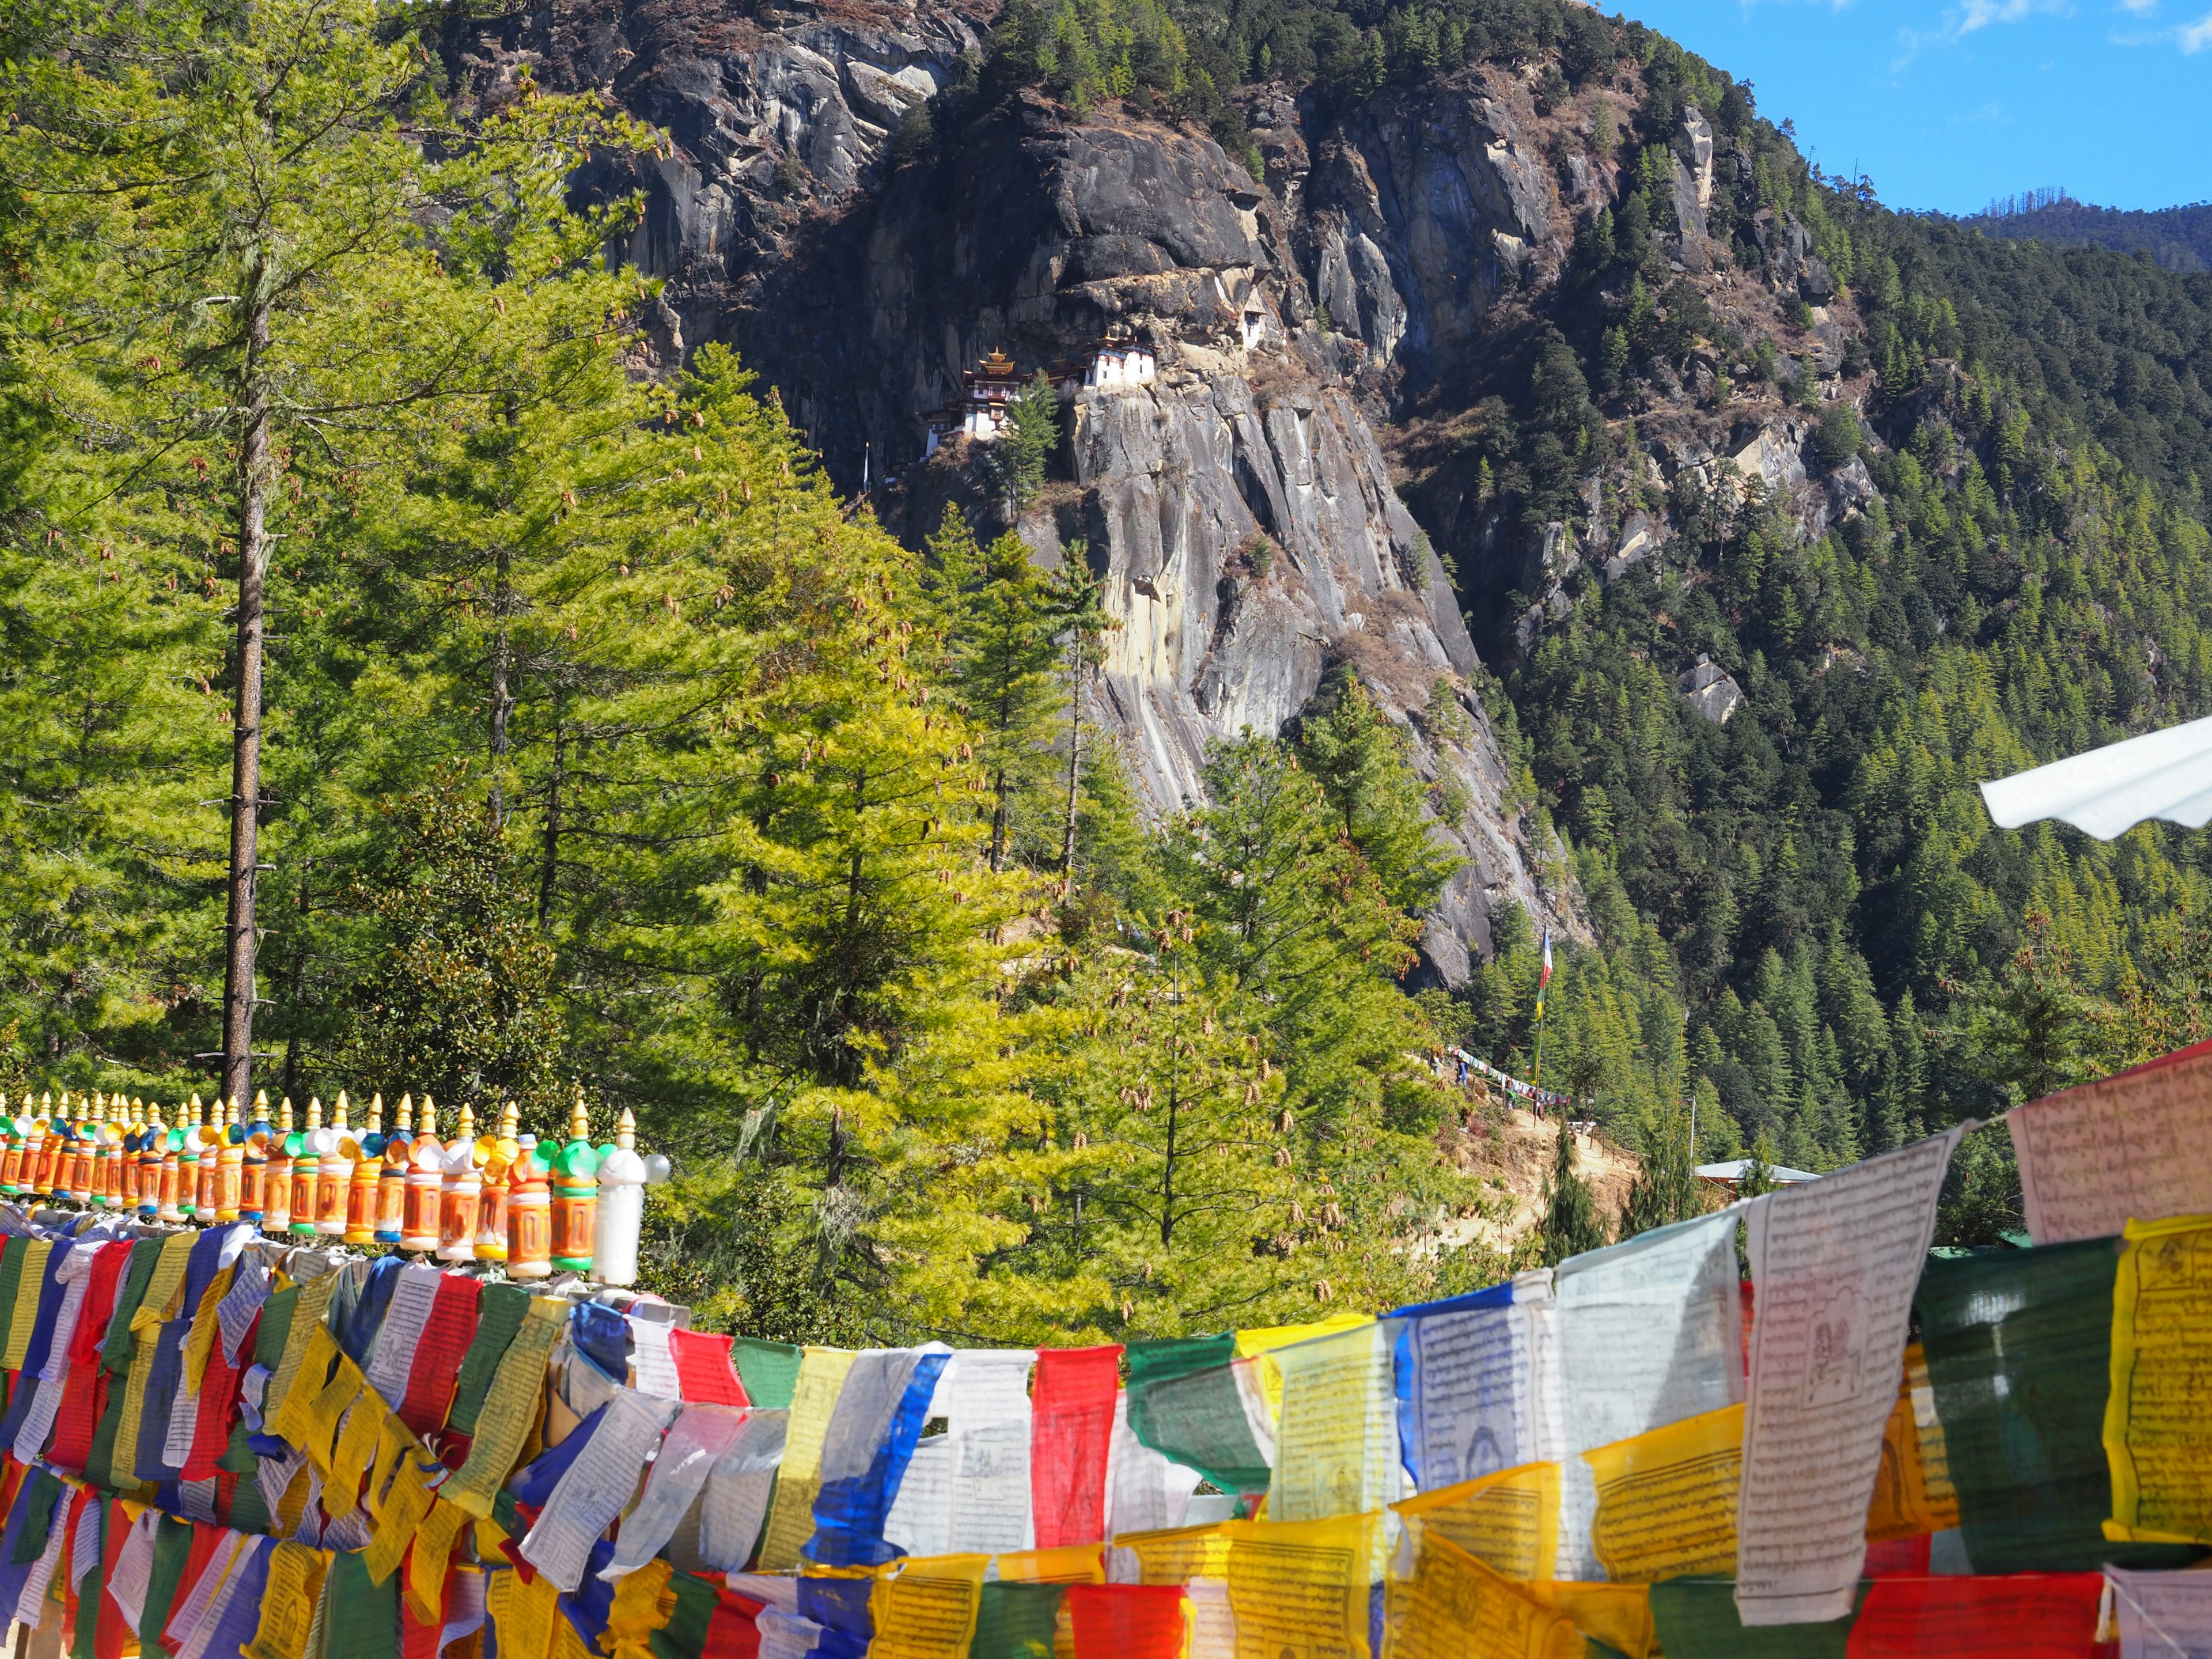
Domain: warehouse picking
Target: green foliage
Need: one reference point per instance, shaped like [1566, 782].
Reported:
[1020, 456]
[456, 998]
[1665, 1188]
[1570, 1224]
[1360, 761]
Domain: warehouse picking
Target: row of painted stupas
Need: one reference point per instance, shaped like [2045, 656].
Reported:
[503, 1198]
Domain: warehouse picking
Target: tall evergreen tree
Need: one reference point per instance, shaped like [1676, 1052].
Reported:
[1569, 1225]
[243, 291]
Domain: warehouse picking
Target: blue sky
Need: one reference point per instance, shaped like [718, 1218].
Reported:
[1946, 105]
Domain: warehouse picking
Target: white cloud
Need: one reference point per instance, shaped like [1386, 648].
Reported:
[2191, 37]
[2139, 7]
[1974, 15]
[1980, 14]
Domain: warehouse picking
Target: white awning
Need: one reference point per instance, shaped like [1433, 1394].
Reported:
[2107, 792]
[1736, 1167]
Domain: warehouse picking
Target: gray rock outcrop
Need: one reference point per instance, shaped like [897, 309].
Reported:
[1710, 689]
[1239, 509]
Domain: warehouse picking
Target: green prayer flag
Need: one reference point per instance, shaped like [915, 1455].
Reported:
[103, 1455]
[249, 1509]
[237, 1456]
[1184, 1403]
[11, 1277]
[770, 1371]
[172, 1552]
[360, 1617]
[1015, 1621]
[500, 1312]
[88, 1604]
[38, 1518]
[2019, 1348]
[121, 1346]
[276, 1328]
[1696, 1619]
[684, 1635]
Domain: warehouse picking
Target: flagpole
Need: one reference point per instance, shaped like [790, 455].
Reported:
[1543, 979]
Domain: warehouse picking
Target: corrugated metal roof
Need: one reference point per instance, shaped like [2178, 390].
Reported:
[2107, 792]
[1736, 1167]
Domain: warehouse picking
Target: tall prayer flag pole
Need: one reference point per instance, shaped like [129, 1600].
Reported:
[1543, 978]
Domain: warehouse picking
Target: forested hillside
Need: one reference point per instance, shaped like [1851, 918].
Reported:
[357, 421]
[2178, 238]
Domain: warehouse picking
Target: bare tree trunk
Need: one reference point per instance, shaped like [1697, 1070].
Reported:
[1168, 1164]
[502, 699]
[1074, 757]
[240, 937]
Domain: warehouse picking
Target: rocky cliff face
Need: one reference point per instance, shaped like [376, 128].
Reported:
[1321, 332]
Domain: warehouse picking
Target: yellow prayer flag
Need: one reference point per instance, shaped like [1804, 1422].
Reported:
[523, 1615]
[393, 1444]
[326, 1413]
[1179, 1555]
[2157, 1438]
[405, 1511]
[1303, 1585]
[434, 1539]
[1509, 1521]
[1619, 1615]
[643, 1603]
[927, 1610]
[799, 1477]
[289, 1404]
[287, 1604]
[25, 1317]
[307, 1315]
[1912, 1490]
[509, 1416]
[1666, 1500]
[1455, 1607]
[1072, 1564]
[1262, 1341]
[349, 1460]
[199, 1341]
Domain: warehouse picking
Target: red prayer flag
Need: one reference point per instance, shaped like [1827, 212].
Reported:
[704, 1375]
[111, 1633]
[1897, 1558]
[1125, 1622]
[84, 1392]
[218, 1406]
[1072, 1424]
[2028, 1615]
[732, 1631]
[418, 1639]
[443, 1344]
[206, 1539]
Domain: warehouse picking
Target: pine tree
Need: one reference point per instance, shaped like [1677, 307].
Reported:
[1361, 762]
[240, 292]
[999, 619]
[1569, 1225]
[458, 1001]
[1665, 1188]
[1026, 445]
